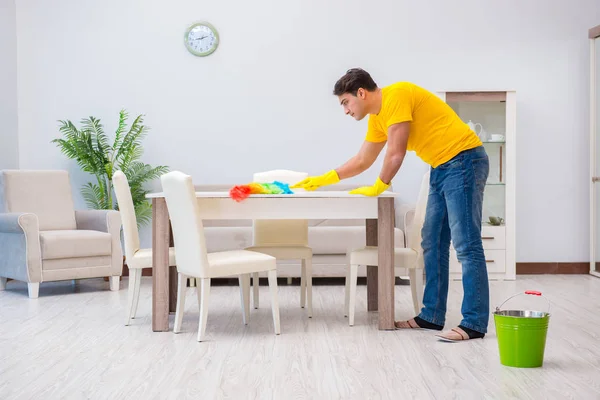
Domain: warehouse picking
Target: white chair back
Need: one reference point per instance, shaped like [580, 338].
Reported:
[414, 235]
[131, 235]
[280, 232]
[188, 231]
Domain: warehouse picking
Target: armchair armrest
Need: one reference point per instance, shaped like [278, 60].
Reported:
[20, 247]
[108, 221]
[97, 220]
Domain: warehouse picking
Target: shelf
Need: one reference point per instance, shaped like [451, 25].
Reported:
[493, 142]
[495, 184]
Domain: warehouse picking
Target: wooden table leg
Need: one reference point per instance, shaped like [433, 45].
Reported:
[172, 289]
[372, 279]
[172, 278]
[385, 239]
[160, 265]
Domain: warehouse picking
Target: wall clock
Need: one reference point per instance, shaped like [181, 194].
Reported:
[201, 39]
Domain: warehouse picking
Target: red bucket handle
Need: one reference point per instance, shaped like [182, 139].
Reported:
[527, 292]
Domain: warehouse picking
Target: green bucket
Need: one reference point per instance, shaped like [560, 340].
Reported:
[522, 335]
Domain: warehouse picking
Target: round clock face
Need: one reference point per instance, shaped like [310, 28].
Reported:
[201, 39]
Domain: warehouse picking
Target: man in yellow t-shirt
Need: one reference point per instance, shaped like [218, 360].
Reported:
[407, 117]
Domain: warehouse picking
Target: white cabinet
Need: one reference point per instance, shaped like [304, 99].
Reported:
[492, 114]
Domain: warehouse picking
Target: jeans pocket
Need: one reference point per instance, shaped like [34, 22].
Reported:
[481, 170]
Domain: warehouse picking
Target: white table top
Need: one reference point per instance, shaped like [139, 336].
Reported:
[328, 194]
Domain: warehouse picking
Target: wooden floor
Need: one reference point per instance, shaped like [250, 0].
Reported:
[71, 343]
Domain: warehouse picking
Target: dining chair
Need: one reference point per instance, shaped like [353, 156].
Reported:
[194, 261]
[284, 239]
[137, 259]
[409, 258]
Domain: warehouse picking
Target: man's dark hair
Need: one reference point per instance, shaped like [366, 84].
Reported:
[353, 80]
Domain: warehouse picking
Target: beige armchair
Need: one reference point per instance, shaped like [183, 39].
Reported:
[43, 238]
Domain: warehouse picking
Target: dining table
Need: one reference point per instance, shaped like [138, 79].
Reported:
[377, 211]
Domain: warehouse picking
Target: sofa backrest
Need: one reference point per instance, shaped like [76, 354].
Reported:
[417, 219]
[46, 193]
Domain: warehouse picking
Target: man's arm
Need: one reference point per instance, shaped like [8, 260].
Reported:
[394, 156]
[366, 156]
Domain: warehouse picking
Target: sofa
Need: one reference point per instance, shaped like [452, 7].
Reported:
[43, 238]
[330, 239]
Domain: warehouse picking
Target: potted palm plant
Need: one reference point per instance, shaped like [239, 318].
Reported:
[90, 147]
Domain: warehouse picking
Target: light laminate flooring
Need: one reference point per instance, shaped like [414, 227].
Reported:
[71, 343]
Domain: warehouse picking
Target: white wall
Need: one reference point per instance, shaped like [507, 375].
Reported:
[9, 147]
[269, 86]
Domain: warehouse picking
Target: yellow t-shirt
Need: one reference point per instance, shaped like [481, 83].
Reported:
[437, 133]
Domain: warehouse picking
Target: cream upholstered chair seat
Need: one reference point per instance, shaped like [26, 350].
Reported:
[409, 258]
[137, 258]
[74, 244]
[142, 258]
[369, 255]
[193, 261]
[284, 239]
[43, 238]
[284, 252]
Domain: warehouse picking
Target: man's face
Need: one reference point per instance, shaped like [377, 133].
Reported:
[354, 106]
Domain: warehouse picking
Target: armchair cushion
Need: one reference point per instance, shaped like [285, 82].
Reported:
[73, 243]
[46, 194]
[108, 221]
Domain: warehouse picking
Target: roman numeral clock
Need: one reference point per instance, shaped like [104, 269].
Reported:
[201, 39]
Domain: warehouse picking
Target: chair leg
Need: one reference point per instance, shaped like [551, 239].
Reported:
[255, 282]
[303, 285]
[131, 296]
[138, 282]
[199, 294]
[274, 300]
[181, 289]
[244, 280]
[352, 296]
[205, 288]
[115, 283]
[416, 287]
[34, 290]
[347, 291]
[2, 283]
[307, 264]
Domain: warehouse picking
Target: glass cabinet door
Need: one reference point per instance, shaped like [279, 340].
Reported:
[485, 113]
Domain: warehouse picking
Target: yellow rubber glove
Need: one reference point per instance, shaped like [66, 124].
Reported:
[375, 190]
[315, 182]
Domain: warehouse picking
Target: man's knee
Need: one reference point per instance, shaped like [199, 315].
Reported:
[469, 250]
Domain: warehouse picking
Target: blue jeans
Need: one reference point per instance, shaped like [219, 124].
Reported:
[454, 211]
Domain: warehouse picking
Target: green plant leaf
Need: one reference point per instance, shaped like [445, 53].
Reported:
[92, 194]
[123, 116]
[143, 212]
